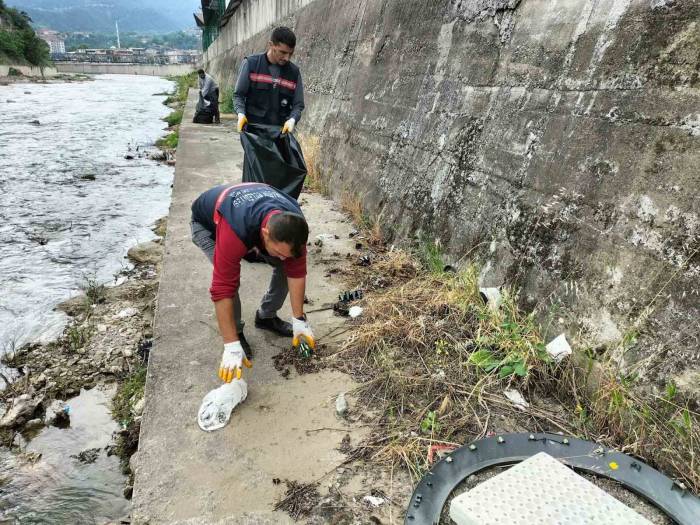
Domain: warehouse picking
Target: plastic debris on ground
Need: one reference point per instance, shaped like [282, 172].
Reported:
[491, 297]
[516, 398]
[558, 348]
[355, 311]
[373, 501]
[341, 405]
[218, 404]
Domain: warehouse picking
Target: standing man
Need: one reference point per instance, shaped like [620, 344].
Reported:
[269, 88]
[209, 91]
[228, 222]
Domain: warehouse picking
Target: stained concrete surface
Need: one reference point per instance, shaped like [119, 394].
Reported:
[287, 428]
[556, 142]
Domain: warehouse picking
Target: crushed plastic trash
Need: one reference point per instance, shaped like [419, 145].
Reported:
[558, 348]
[373, 501]
[355, 311]
[341, 405]
[126, 312]
[491, 297]
[516, 398]
[218, 404]
[348, 296]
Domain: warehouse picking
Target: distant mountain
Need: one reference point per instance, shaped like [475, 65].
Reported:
[155, 16]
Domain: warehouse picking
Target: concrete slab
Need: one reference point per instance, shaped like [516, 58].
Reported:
[540, 490]
[184, 475]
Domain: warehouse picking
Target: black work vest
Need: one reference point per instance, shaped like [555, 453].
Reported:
[243, 206]
[269, 101]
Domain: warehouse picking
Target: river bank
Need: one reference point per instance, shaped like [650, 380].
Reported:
[69, 414]
[105, 347]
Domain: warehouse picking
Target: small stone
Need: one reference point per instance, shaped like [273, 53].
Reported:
[138, 407]
[127, 353]
[102, 328]
[341, 405]
[133, 462]
[33, 424]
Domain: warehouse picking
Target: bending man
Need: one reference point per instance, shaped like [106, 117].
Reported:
[209, 91]
[227, 223]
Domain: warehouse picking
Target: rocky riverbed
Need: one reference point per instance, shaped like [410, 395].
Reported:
[104, 347]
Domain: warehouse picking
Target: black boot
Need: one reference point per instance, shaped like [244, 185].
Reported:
[274, 324]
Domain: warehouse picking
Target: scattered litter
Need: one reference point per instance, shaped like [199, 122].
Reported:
[373, 501]
[121, 280]
[351, 296]
[516, 398]
[353, 233]
[439, 451]
[58, 415]
[365, 260]
[355, 311]
[322, 238]
[491, 297]
[219, 403]
[341, 308]
[126, 312]
[558, 348]
[341, 405]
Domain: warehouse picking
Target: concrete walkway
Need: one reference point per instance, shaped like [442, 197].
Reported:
[287, 428]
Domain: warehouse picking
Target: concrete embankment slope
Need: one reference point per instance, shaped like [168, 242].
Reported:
[557, 141]
[184, 475]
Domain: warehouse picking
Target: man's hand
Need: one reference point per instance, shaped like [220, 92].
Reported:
[242, 121]
[288, 126]
[302, 331]
[231, 361]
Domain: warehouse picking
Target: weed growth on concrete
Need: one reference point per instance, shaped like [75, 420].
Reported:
[434, 361]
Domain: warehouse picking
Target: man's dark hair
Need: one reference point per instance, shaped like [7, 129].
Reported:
[289, 228]
[200, 71]
[284, 35]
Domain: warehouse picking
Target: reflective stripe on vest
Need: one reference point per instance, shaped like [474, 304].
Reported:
[267, 79]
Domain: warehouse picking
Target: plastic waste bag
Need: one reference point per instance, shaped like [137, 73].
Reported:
[203, 112]
[218, 404]
[273, 158]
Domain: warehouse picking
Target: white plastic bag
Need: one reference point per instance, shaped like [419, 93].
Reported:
[218, 404]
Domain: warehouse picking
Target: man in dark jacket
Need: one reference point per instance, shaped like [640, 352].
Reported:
[228, 222]
[269, 89]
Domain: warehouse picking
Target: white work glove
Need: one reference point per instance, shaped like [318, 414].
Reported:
[288, 126]
[242, 121]
[301, 330]
[231, 362]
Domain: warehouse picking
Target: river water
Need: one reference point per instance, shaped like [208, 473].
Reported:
[70, 203]
[70, 207]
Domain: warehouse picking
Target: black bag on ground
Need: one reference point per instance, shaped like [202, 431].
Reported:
[273, 158]
[203, 114]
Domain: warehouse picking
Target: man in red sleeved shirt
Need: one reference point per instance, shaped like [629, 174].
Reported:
[230, 221]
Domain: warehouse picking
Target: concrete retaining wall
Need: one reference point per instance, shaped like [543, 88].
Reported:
[556, 141]
[124, 69]
[28, 71]
[252, 17]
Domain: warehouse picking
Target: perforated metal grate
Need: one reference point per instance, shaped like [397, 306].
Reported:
[540, 490]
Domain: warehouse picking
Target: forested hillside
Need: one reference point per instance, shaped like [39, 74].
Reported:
[157, 16]
[18, 42]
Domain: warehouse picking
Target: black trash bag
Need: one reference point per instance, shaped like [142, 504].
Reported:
[273, 158]
[203, 113]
